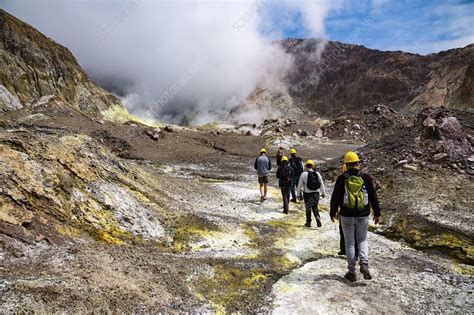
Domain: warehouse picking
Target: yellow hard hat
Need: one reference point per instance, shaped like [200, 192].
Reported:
[351, 157]
[284, 158]
[292, 151]
[310, 162]
[263, 150]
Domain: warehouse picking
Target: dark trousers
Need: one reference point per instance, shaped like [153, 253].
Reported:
[342, 242]
[285, 193]
[311, 201]
[294, 184]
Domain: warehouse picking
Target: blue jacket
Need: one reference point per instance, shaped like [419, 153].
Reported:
[262, 165]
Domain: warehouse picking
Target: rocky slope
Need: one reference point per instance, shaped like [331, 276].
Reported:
[105, 217]
[34, 66]
[424, 168]
[350, 78]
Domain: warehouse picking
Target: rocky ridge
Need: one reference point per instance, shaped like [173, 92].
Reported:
[34, 66]
[352, 78]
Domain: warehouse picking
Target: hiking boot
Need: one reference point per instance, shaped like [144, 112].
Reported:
[318, 223]
[341, 253]
[285, 212]
[350, 276]
[261, 199]
[293, 200]
[307, 224]
[364, 269]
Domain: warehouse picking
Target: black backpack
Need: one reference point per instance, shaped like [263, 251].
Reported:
[297, 165]
[313, 181]
[286, 177]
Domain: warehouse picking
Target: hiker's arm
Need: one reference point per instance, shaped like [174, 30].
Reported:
[278, 174]
[337, 196]
[269, 164]
[255, 164]
[374, 200]
[323, 188]
[300, 185]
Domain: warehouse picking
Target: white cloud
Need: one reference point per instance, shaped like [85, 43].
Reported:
[149, 45]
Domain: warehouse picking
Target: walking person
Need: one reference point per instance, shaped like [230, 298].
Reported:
[352, 198]
[280, 154]
[312, 187]
[297, 164]
[263, 166]
[342, 244]
[285, 175]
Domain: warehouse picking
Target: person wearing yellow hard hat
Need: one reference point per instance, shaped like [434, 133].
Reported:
[263, 166]
[342, 244]
[285, 175]
[297, 164]
[310, 188]
[280, 154]
[352, 199]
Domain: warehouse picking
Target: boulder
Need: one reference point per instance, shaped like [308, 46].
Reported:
[170, 128]
[450, 128]
[440, 157]
[8, 101]
[155, 133]
[410, 167]
[43, 100]
[319, 133]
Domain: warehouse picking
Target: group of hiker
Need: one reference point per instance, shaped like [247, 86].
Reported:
[352, 199]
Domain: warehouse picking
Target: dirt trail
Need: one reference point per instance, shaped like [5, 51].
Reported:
[406, 280]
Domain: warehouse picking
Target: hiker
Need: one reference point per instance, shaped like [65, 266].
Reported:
[263, 166]
[280, 154]
[285, 175]
[352, 198]
[312, 186]
[342, 245]
[297, 164]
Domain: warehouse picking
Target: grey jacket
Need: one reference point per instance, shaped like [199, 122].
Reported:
[262, 165]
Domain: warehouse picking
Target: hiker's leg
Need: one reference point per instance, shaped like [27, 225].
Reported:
[315, 203]
[261, 189]
[361, 235]
[284, 194]
[307, 204]
[293, 189]
[356, 244]
[348, 227]
[342, 244]
[264, 190]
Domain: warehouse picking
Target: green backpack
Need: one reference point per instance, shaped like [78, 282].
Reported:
[355, 195]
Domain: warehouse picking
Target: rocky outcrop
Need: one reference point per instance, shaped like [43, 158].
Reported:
[32, 65]
[352, 78]
[8, 101]
[424, 170]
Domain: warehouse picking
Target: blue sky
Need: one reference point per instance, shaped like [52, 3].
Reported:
[418, 26]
